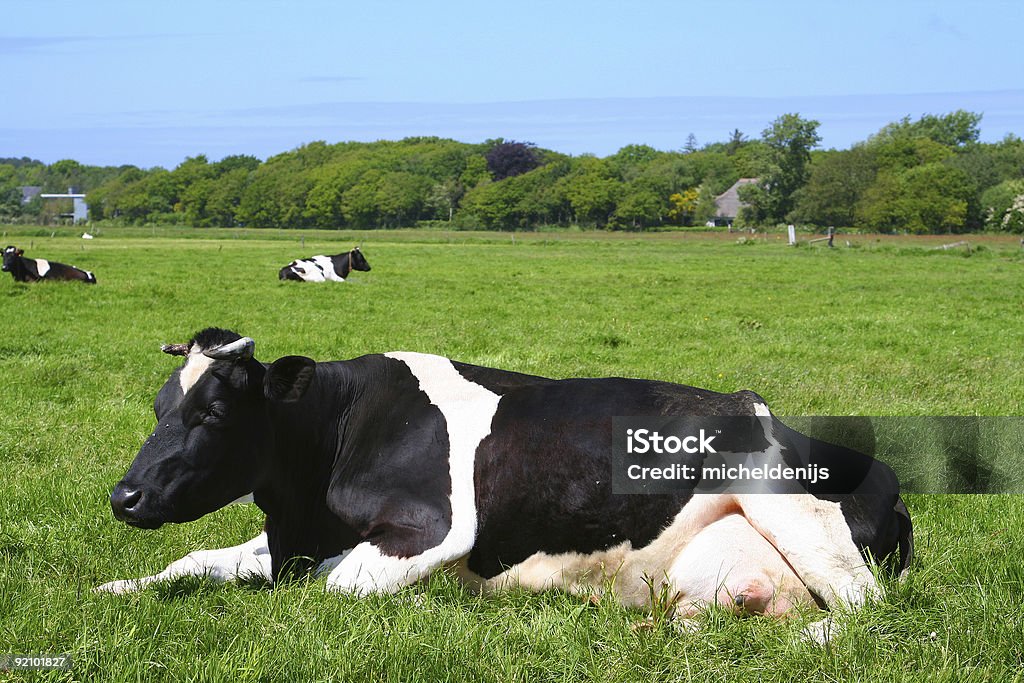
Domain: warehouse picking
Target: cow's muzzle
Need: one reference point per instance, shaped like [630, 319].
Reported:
[126, 502]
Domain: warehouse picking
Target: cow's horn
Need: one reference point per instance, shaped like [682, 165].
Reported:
[175, 349]
[240, 349]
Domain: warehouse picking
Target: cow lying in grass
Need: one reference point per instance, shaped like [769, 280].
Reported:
[379, 470]
[35, 269]
[325, 268]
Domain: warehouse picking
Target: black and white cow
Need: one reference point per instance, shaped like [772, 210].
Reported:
[378, 470]
[34, 269]
[323, 268]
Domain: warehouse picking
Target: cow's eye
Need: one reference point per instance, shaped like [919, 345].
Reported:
[214, 412]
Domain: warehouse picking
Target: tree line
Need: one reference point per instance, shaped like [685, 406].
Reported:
[931, 174]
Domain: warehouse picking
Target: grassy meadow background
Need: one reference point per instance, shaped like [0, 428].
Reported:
[885, 327]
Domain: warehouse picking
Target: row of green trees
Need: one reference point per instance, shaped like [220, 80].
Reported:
[929, 174]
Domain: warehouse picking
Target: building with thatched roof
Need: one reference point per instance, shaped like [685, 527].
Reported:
[728, 204]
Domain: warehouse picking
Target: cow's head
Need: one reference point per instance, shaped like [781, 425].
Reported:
[213, 441]
[358, 261]
[11, 253]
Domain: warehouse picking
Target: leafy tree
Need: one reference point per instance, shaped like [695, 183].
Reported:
[10, 194]
[736, 140]
[507, 159]
[235, 162]
[520, 202]
[630, 161]
[955, 129]
[789, 140]
[683, 206]
[400, 198]
[902, 153]
[444, 198]
[63, 174]
[1003, 206]
[225, 197]
[716, 170]
[592, 191]
[638, 207]
[929, 198]
[475, 172]
[837, 181]
[328, 184]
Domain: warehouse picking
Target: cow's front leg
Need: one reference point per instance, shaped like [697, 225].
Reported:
[250, 559]
[365, 569]
[814, 537]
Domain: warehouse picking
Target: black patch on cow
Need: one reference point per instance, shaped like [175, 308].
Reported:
[289, 273]
[392, 480]
[344, 264]
[544, 479]
[170, 394]
[497, 381]
[212, 337]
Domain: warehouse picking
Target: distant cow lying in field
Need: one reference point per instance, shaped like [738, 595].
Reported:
[34, 269]
[323, 268]
[379, 470]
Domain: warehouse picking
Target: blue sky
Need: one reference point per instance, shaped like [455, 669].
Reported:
[150, 83]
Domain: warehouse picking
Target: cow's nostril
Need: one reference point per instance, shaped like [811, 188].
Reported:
[132, 499]
[122, 500]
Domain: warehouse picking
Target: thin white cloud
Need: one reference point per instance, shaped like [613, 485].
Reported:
[331, 79]
[937, 24]
[17, 44]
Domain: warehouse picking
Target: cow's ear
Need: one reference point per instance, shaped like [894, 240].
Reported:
[288, 378]
[20, 252]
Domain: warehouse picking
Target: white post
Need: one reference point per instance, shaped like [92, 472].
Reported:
[792, 236]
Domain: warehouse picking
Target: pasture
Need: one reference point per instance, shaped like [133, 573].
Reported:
[883, 328]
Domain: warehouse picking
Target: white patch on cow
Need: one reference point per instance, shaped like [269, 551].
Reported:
[730, 560]
[247, 498]
[468, 409]
[250, 559]
[761, 410]
[309, 271]
[813, 536]
[326, 265]
[42, 266]
[195, 365]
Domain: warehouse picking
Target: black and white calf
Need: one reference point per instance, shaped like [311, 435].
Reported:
[323, 268]
[378, 470]
[34, 269]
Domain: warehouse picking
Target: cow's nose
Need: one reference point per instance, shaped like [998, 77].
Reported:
[123, 500]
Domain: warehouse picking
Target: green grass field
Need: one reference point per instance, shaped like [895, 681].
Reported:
[886, 327]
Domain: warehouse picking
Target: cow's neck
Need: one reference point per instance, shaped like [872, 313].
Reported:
[20, 270]
[307, 443]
